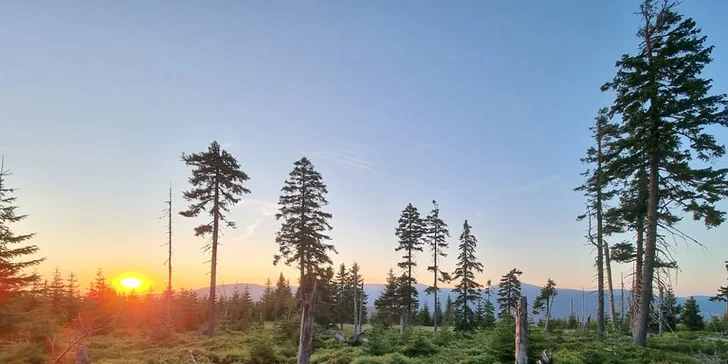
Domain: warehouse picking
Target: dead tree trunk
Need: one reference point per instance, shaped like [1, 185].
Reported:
[361, 307]
[522, 331]
[610, 286]
[305, 339]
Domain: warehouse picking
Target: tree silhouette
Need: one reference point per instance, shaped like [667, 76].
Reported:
[665, 109]
[217, 184]
[468, 290]
[12, 277]
[409, 231]
[436, 235]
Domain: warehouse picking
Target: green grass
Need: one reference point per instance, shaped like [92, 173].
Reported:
[276, 344]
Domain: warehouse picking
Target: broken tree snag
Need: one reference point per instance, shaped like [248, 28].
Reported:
[522, 331]
[305, 340]
[82, 355]
[545, 358]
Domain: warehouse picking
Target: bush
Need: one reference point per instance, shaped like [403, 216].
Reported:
[22, 353]
[341, 356]
[444, 337]
[261, 350]
[397, 358]
[368, 360]
[418, 344]
[376, 343]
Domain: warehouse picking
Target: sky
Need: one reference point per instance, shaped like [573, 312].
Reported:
[481, 105]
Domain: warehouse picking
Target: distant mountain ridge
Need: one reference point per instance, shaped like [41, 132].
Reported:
[562, 301]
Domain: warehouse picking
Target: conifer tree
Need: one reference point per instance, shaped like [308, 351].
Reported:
[468, 290]
[343, 293]
[282, 298]
[671, 310]
[450, 311]
[595, 190]
[13, 277]
[545, 301]
[387, 305]
[302, 240]
[423, 316]
[722, 295]
[357, 289]
[691, 317]
[217, 184]
[56, 291]
[72, 295]
[489, 317]
[436, 234]
[268, 302]
[437, 313]
[409, 231]
[665, 109]
[509, 292]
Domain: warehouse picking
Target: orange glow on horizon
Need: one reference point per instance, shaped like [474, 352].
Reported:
[131, 281]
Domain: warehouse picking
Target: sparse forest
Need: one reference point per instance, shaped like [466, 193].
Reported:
[650, 165]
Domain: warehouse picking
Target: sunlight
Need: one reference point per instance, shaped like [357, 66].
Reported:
[131, 281]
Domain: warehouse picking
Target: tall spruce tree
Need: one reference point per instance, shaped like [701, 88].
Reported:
[13, 276]
[509, 292]
[343, 293]
[409, 231]
[302, 240]
[468, 290]
[57, 291]
[436, 233]
[387, 305]
[282, 297]
[690, 316]
[217, 184]
[665, 108]
[722, 295]
[595, 189]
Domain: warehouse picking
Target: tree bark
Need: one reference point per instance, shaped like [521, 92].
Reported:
[648, 270]
[213, 261]
[305, 339]
[600, 238]
[522, 331]
[549, 304]
[610, 286]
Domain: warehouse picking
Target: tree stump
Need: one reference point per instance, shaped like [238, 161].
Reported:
[522, 331]
[82, 355]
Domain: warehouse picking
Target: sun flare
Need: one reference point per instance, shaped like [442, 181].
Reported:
[132, 281]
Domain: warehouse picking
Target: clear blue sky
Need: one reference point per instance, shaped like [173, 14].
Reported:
[482, 105]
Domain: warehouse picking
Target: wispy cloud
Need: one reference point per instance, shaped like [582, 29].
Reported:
[266, 209]
[350, 157]
[250, 229]
[533, 185]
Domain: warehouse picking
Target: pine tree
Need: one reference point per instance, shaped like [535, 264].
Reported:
[664, 105]
[489, 317]
[722, 295]
[268, 302]
[479, 316]
[56, 291]
[671, 310]
[217, 184]
[302, 240]
[342, 295]
[595, 190]
[423, 316]
[282, 298]
[436, 233]
[545, 301]
[246, 308]
[691, 317]
[450, 313]
[13, 278]
[325, 287]
[387, 305]
[357, 289]
[509, 293]
[72, 296]
[468, 290]
[409, 231]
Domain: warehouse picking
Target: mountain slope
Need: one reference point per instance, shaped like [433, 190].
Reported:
[562, 301]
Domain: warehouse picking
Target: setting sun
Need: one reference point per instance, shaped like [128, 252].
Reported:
[131, 281]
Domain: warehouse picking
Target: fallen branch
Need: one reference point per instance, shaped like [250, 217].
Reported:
[192, 356]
